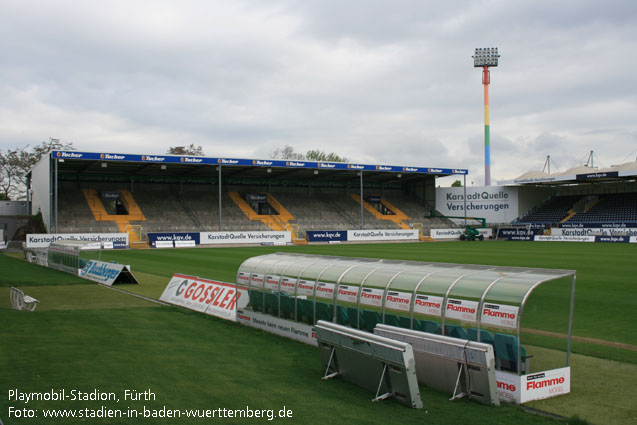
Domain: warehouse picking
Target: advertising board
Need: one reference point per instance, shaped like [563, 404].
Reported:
[382, 235]
[173, 237]
[211, 297]
[43, 240]
[430, 305]
[455, 233]
[326, 235]
[535, 386]
[461, 309]
[215, 238]
[106, 273]
[500, 315]
[556, 238]
[285, 328]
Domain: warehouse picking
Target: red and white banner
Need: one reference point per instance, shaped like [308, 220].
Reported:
[500, 315]
[288, 284]
[430, 305]
[272, 282]
[372, 296]
[256, 280]
[305, 287]
[461, 310]
[398, 300]
[243, 278]
[348, 293]
[325, 290]
[211, 297]
[536, 386]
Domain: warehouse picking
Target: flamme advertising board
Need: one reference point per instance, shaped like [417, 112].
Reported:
[461, 309]
[535, 386]
[372, 296]
[211, 297]
[398, 300]
[430, 305]
[500, 315]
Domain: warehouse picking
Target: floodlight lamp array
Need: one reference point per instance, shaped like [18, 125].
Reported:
[485, 57]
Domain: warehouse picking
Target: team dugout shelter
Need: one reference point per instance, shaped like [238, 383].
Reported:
[500, 306]
[132, 170]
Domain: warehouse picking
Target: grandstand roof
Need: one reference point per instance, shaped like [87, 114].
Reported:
[626, 171]
[194, 166]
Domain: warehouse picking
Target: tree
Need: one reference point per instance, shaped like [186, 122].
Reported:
[457, 183]
[318, 155]
[286, 152]
[186, 150]
[16, 163]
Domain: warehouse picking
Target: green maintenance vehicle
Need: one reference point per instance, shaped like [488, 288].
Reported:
[471, 232]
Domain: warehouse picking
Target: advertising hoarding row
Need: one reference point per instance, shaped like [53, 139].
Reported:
[362, 235]
[174, 159]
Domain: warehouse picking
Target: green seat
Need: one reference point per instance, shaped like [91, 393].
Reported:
[256, 300]
[391, 320]
[485, 336]
[456, 331]
[324, 311]
[287, 306]
[506, 353]
[353, 314]
[341, 316]
[305, 310]
[271, 304]
[371, 318]
[430, 326]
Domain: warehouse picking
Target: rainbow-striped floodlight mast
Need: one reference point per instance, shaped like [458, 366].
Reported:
[484, 58]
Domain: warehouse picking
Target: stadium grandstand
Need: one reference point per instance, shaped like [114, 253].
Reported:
[104, 192]
[584, 196]
[98, 193]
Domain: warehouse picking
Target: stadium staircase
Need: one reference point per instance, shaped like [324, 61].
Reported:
[123, 221]
[279, 222]
[398, 218]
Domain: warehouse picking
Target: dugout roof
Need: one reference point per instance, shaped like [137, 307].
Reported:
[477, 290]
[73, 162]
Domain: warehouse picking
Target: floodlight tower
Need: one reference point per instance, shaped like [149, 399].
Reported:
[484, 58]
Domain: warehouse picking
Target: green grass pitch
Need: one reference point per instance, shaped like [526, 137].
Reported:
[84, 336]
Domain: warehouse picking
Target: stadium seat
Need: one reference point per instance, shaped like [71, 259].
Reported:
[324, 311]
[506, 352]
[405, 322]
[305, 310]
[429, 326]
[256, 300]
[391, 320]
[456, 331]
[341, 316]
[485, 336]
[287, 305]
[353, 315]
[371, 318]
[271, 304]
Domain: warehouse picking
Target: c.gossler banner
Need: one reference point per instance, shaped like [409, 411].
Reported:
[211, 297]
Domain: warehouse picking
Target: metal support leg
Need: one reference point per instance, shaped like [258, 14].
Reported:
[327, 369]
[455, 390]
[380, 384]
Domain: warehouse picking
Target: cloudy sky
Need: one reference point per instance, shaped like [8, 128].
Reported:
[388, 82]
